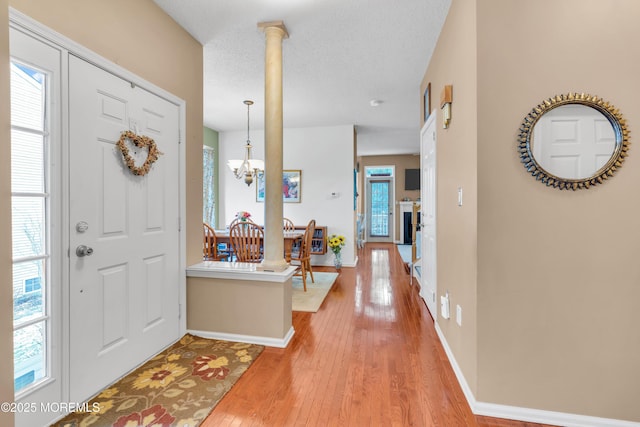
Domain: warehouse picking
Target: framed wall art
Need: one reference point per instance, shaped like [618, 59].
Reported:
[427, 101]
[291, 188]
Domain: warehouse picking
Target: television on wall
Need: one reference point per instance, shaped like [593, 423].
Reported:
[412, 179]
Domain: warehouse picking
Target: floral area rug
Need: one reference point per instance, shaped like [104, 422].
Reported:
[178, 387]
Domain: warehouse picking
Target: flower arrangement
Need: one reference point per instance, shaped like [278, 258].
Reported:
[243, 215]
[336, 243]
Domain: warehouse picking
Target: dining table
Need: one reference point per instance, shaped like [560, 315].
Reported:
[290, 237]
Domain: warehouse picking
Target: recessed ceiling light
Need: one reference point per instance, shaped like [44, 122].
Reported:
[375, 102]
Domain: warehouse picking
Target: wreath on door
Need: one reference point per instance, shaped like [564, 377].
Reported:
[142, 142]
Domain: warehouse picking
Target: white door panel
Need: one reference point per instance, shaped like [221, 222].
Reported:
[124, 297]
[428, 278]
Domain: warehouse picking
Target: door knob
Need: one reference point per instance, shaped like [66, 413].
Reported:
[83, 251]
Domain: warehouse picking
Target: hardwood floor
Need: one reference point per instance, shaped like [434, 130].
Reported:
[369, 357]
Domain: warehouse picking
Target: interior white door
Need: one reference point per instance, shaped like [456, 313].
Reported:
[428, 190]
[124, 297]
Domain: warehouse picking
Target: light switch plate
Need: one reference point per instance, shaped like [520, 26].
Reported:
[459, 315]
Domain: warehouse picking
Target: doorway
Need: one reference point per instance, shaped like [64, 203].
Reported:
[379, 206]
[428, 195]
[125, 296]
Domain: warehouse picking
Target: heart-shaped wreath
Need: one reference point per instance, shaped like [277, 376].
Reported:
[139, 141]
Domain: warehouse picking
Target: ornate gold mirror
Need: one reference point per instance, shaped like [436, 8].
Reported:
[573, 141]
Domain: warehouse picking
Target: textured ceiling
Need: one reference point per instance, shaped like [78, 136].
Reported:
[339, 56]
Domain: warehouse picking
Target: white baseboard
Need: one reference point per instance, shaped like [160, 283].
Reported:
[266, 341]
[524, 414]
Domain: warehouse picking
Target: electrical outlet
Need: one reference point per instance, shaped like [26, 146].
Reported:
[459, 315]
[444, 305]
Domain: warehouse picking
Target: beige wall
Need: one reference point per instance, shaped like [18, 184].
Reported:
[557, 271]
[6, 295]
[254, 308]
[401, 163]
[137, 36]
[454, 63]
[558, 277]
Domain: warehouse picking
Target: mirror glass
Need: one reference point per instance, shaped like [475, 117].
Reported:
[573, 141]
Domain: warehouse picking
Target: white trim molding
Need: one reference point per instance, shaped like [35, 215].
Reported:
[266, 341]
[524, 414]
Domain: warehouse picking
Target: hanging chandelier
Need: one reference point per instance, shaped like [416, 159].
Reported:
[247, 168]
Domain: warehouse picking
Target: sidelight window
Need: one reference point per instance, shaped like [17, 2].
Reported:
[30, 204]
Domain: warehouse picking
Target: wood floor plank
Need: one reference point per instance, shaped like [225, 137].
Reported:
[370, 356]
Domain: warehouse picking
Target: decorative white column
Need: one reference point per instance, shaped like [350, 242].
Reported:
[274, 260]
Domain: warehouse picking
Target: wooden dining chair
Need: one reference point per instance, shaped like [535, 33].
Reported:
[246, 241]
[210, 245]
[302, 259]
[287, 225]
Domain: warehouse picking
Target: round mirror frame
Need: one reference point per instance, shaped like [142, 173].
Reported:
[615, 162]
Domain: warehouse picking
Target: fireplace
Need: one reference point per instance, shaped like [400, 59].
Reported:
[406, 222]
[406, 237]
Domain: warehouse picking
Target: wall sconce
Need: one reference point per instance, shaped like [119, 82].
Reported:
[445, 104]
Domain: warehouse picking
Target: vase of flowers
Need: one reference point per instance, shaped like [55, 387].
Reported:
[336, 243]
[243, 216]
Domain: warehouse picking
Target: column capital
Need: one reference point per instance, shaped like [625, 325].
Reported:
[264, 26]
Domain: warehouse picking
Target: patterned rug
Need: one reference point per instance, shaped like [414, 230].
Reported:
[178, 387]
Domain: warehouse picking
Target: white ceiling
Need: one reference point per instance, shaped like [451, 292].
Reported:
[339, 56]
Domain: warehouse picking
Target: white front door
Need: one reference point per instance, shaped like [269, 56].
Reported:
[429, 288]
[124, 297]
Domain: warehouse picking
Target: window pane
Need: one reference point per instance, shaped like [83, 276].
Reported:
[28, 226]
[379, 171]
[27, 95]
[208, 194]
[29, 355]
[28, 291]
[27, 162]
[380, 208]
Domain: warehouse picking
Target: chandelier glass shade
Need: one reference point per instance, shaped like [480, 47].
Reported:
[247, 168]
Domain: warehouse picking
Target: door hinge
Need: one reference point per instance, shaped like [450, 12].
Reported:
[180, 311]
